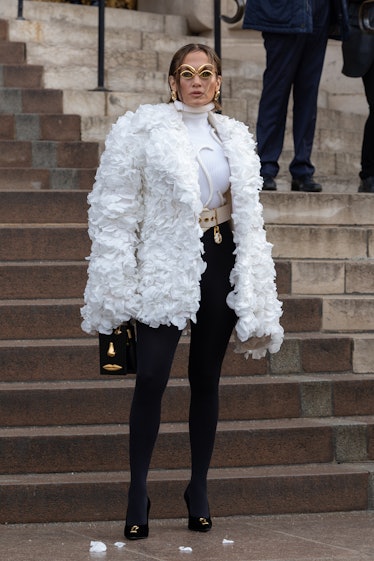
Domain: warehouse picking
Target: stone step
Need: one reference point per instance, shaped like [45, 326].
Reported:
[96, 104]
[332, 313]
[20, 179]
[280, 208]
[328, 140]
[131, 76]
[12, 52]
[55, 358]
[82, 76]
[30, 100]
[83, 35]
[72, 57]
[77, 359]
[56, 241]
[237, 444]
[3, 30]
[40, 207]
[348, 313]
[60, 242]
[241, 491]
[326, 276]
[48, 154]
[88, 16]
[20, 318]
[297, 277]
[38, 241]
[51, 279]
[106, 401]
[21, 75]
[327, 162]
[331, 184]
[40, 127]
[322, 209]
[100, 110]
[321, 242]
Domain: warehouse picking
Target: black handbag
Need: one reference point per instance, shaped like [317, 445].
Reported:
[118, 351]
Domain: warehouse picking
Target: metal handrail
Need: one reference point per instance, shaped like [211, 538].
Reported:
[239, 13]
[101, 31]
[217, 21]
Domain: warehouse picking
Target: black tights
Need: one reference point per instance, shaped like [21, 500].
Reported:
[367, 154]
[156, 348]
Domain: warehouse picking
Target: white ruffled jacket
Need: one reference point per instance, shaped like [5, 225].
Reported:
[146, 255]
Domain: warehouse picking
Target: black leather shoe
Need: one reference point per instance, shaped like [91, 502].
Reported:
[306, 184]
[269, 184]
[135, 531]
[197, 523]
[366, 185]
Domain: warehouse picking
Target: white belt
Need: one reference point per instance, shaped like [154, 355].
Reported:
[214, 216]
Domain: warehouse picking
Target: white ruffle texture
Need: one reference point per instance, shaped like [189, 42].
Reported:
[146, 255]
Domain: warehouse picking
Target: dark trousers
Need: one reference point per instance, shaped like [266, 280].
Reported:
[367, 155]
[293, 61]
[156, 347]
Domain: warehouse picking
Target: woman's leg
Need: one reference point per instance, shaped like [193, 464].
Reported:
[367, 156]
[209, 339]
[155, 350]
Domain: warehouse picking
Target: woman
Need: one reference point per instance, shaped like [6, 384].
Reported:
[358, 57]
[177, 236]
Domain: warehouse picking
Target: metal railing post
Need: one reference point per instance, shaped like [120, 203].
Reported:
[101, 46]
[20, 10]
[217, 27]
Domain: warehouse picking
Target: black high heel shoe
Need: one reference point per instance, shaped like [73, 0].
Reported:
[197, 523]
[138, 532]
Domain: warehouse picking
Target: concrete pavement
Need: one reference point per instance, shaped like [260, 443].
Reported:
[342, 536]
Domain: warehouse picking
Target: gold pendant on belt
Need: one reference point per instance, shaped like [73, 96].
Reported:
[217, 235]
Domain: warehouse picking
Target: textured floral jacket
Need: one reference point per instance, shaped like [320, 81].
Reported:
[146, 255]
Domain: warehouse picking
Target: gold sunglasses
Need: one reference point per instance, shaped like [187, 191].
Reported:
[188, 72]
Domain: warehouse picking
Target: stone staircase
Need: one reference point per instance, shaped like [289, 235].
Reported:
[296, 429]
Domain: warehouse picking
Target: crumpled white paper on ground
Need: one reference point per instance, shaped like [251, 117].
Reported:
[97, 547]
[225, 541]
[119, 544]
[185, 549]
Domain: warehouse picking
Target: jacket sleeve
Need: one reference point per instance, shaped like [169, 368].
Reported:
[254, 296]
[114, 214]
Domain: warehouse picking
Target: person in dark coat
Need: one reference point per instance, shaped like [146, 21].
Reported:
[358, 62]
[295, 38]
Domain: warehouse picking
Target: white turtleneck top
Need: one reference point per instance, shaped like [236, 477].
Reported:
[214, 171]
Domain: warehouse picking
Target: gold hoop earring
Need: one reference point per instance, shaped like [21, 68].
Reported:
[173, 95]
[216, 97]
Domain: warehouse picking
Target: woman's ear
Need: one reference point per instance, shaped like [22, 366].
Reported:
[172, 83]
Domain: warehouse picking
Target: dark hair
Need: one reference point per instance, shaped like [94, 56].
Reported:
[181, 54]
